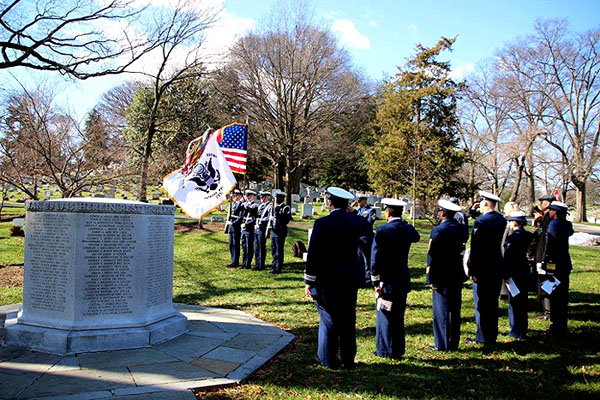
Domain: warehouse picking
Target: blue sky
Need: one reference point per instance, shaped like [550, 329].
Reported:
[381, 34]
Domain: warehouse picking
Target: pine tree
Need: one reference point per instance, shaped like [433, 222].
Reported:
[417, 152]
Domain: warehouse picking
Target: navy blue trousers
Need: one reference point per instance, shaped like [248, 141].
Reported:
[485, 296]
[517, 312]
[559, 300]
[277, 249]
[446, 317]
[260, 249]
[337, 327]
[234, 245]
[389, 328]
[247, 248]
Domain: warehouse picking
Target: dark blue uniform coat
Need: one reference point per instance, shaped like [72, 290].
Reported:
[334, 271]
[282, 215]
[485, 264]
[516, 266]
[446, 273]
[250, 215]
[260, 238]
[235, 229]
[368, 213]
[389, 270]
[557, 252]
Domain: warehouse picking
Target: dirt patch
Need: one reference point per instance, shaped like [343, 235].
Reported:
[192, 227]
[10, 217]
[11, 275]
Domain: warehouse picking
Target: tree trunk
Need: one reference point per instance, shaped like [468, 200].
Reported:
[143, 194]
[580, 215]
[518, 176]
[531, 177]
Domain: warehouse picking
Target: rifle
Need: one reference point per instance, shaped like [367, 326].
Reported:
[227, 222]
[270, 219]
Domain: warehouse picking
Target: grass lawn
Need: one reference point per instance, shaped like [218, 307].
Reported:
[535, 368]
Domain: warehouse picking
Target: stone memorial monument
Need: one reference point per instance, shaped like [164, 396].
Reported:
[98, 276]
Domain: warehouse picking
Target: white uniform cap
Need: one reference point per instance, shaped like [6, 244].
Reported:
[340, 193]
[393, 202]
[517, 216]
[249, 192]
[448, 205]
[489, 196]
[265, 193]
[559, 205]
[278, 192]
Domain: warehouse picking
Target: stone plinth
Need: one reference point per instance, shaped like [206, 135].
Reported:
[98, 276]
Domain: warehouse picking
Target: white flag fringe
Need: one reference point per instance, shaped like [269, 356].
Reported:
[206, 186]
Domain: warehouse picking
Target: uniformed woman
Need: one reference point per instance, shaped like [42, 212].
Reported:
[516, 267]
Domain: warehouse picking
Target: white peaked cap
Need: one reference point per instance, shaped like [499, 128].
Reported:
[489, 196]
[448, 205]
[340, 193]
[559, 205]
[393, 202]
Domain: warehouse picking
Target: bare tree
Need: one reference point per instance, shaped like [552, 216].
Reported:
[567, 73]
[79, 38]
[39, 143]
[485, 130]
[293, 79]
[180, 31]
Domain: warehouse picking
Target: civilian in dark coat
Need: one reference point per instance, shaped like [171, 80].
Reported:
[485, 267]
[445, 274]
[332, 277]
[391, 278]
[516, 266]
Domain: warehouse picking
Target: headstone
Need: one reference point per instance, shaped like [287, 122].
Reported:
[216, 218]
[48, 194]
[100, 188]
[98, 276]
[371, 199]
[377, 212]
[101, 195]
[294, 207]
[296, 198]
[306, 210]
[302, 191]
[155, 196]
[18, 222]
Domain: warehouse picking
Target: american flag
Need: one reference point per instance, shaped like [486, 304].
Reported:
[234, 144]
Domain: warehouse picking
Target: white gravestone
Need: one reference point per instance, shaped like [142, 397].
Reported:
[296, 198]
[377, 212]
[307, 210]
[98, 276]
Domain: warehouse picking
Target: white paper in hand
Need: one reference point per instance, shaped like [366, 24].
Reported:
[512, 288]
[549, 286]
[384, 305]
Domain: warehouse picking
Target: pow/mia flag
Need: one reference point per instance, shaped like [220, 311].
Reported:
[206, 184]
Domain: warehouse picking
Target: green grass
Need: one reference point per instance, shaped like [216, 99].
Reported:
[535, 368]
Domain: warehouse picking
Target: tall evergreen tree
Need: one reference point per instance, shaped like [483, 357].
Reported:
[417, 153]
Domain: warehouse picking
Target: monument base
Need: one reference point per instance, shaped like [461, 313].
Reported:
[65, 342]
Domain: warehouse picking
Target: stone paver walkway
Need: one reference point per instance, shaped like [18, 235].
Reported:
[222, 348]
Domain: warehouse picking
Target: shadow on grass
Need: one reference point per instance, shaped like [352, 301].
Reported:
[533, 368]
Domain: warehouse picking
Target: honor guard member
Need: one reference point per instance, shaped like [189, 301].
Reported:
[516, 267]
[365, 210]
[537, 251]
[446, 275]
[485, 267]
[391, 278]
[250, 214]
[282, 215]
[265, 212]
[558, 262]
[367, 216]
[332, 277]
[235, 228]
[460, 216]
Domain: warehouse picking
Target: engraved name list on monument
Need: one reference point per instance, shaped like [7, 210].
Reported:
[159, 255]
[50, 252]
[108, 251]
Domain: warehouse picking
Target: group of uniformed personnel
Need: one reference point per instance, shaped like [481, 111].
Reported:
[251, 223]
[336, 260]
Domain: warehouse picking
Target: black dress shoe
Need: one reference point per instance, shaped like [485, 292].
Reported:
[233, 266]
[472, 341]
[432, 348]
